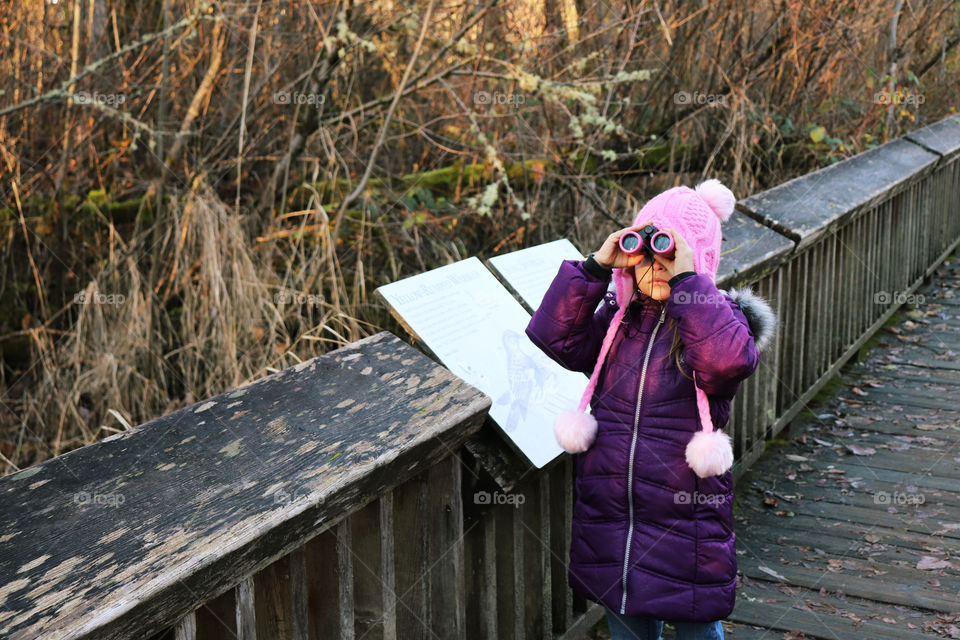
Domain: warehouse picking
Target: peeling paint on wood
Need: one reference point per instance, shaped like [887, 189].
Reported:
[189, 511]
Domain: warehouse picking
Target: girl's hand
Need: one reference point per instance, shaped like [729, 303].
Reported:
[611, 256]
[682, 257]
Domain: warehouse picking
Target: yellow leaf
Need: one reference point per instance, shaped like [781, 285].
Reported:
[817, 134]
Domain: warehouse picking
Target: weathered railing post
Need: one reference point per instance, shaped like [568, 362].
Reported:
[135, 533]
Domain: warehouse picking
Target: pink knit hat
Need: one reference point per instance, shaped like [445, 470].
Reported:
[696, 215]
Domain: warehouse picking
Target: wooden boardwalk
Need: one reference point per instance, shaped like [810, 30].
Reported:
[850, 530]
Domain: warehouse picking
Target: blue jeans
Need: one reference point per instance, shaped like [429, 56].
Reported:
[647, 628]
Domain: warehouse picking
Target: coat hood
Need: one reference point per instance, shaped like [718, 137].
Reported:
[761, 318]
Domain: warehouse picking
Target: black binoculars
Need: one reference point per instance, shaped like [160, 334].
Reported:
[649, 239]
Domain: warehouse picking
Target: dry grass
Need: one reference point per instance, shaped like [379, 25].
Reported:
[238, 275]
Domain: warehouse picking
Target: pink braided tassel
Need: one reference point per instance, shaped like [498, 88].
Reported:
[709, 452]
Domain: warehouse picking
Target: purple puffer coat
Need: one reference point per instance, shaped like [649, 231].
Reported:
[681, 563]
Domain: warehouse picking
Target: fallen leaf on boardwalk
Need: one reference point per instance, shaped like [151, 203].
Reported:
[942, 628]
[788, 514]
[796, 458]
[860, 451]
[824, 443]
[850, 565]
[858, 391]
[929, 562]
[771, 572]
[872, 538]
[933, 426]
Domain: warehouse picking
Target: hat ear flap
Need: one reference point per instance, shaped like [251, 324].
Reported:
[623, 278]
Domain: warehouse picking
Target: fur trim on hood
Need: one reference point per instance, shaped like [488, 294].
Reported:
[761, 318]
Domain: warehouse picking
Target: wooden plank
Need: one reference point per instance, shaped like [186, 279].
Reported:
[535, 549]
[792, 615]
[217, 618]
[914, 595]
[323, 579]
[749, 251]
[509, 579]
[807, 207]
[271, 591]
[299, 602]
[502, 463]
[593, 614]
[365, 536]
[345, 569]
[411, 524]
[188, 503]
[872, 479]
[445, 604]
[890, 570]
[186, 629]
[846, 539]
[372, 551]
[246, 615]
[561, 515]
[941, 137]
[480, 552]
[388, 566]
[828, 605]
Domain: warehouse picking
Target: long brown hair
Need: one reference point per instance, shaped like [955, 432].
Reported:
[676, 348]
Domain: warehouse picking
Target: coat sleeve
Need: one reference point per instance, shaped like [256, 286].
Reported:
[566, 326]
[717, 341]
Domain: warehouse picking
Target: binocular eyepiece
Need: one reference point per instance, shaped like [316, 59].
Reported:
[649, 239]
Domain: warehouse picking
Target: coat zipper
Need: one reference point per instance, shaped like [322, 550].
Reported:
[633, 447]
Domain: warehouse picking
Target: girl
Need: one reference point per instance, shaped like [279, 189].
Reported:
[652, 533]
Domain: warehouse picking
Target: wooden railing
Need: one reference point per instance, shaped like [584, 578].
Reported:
[365, 494]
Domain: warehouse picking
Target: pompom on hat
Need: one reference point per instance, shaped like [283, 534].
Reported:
[696, 215]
